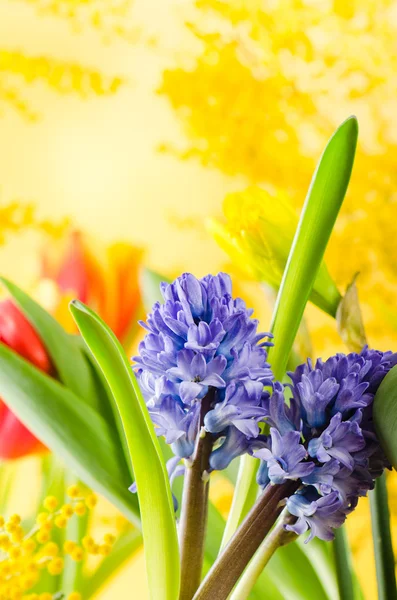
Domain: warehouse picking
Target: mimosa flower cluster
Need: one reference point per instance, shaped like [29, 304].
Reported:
[325, 438]
[201, 341]
[28, 557]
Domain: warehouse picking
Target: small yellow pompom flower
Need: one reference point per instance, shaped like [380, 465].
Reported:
[42, 518]
[51, 549]
[67, 510]
[88, 542]
[43, 536]
[105, 549]
[73, 491]
[80, 509]
[69, 546]
[16, 519]
[45, 596]
[61, 522]
[109, 538]
[55, 566]
[77, 554]
[91, 501]
[50, 503]
[74, 596]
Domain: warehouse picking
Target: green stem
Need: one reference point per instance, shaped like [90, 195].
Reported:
[246, 490]
[343, 564]
[229, 566]
[277, 537]
[384, 557]
[194, 510]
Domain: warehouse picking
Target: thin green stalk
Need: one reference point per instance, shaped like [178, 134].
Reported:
[194, 511]
[244, 496]
[343, 564]
[277, 537]
[229, 566]
[384, 557]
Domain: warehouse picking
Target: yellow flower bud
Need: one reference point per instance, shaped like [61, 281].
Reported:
[50, 503]
[55, 566]
[67, 510]
[42, 536]
[91, 501]
[80, 509]
[69, 546]
[77, 554]
[51, 549]
[61, 522]
[109, 538]
[73, 491]
[105, 549]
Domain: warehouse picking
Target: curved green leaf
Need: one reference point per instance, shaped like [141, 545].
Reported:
[64, 350]
[385, 415]
[157, 512]
[322, 205]
[69, 427]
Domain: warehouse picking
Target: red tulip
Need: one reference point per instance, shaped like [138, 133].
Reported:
[17, 333]
[105, 278]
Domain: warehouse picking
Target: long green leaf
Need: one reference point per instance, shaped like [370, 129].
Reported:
[157, 512]
[322, 205]
[385, 415]
[385, 418]
[383, 548]
[68, 426]
[63, 349]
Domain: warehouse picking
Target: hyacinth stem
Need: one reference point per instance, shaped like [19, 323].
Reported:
[193, 521]
[277, 537]
[384, 558]
[230, 565]
[343, 564]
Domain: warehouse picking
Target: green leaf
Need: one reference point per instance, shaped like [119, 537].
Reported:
[155, 499]
[383, 547]
[71, 428]
[63, 349]
[385, 415]
[385, 419]
[322, 205]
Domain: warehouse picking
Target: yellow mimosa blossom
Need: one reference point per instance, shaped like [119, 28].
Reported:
[112, 18]
[16, 217]
[25, 556]
[269, 83]
[18, 69]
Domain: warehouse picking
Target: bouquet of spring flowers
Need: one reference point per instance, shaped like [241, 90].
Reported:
[206, 390]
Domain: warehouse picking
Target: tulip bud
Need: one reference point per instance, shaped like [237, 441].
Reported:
[104, 278]
[18, 334]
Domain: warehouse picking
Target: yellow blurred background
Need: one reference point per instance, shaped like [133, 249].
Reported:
[134, 119]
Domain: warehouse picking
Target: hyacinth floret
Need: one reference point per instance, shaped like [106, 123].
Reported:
[324, 437]
[200, 343]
